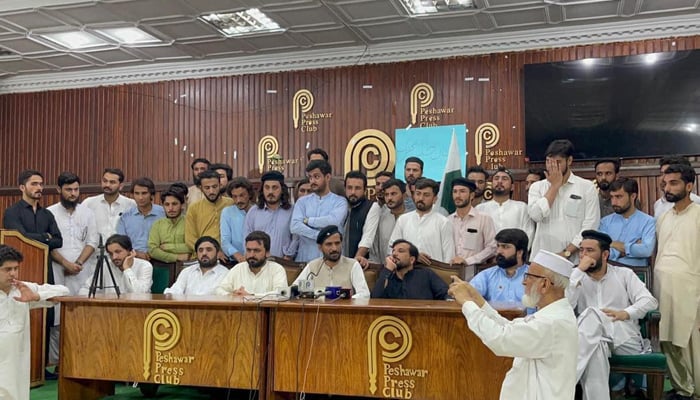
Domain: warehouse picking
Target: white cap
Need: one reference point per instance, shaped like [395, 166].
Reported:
[554, 262]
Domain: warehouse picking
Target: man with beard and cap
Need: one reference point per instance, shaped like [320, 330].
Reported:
[362, 221]
[610, 301]
[257, 276]
[317, 210]
[394, 207]
[503, 283]
[479, 176]
[605, 174]
[333, 269]
[430, 231]
[272, 214]
[633, 232]
[543, 344]
[563, 205]
[676, 283]
[203, 218]
[166, 241]
[473, 232]
[202, 278]
[504, 211]
[131, 274]
[72, 262]
[194, 193]
[110, 205]
[412, 171]
[402, 279]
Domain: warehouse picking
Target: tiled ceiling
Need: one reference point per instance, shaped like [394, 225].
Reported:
[310, 25]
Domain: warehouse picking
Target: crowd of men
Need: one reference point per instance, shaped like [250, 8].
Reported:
[583, 305]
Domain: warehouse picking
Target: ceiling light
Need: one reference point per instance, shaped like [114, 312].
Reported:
[74, 40]
[240, 23]
[426, 7]
[129, 35]
[588, 62]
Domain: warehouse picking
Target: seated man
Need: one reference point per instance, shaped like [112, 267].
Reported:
[131, 274]
[401, 279]
[333, 269]
[255, 276]
[16, 299]
[610, 300]
[504, 281]
[633, 232]
[202, 278]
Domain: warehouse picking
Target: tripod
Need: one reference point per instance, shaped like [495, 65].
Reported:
[98, 276]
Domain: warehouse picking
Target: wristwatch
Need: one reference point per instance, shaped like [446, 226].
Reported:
[566, 253]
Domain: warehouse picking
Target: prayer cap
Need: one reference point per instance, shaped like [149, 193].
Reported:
[554, 262]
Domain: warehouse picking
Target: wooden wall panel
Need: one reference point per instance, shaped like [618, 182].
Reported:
[155, 129]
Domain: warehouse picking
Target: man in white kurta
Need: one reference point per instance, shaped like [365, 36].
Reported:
[202, 278]
[563, 205]
[16, 299]
[428, 230]
[109, 206]
[257, 276]
[677, 281]
[610, 301]
[662, 205]
[131, 274]
[543, 344]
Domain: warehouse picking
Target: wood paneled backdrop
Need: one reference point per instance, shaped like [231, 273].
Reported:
[155, 129]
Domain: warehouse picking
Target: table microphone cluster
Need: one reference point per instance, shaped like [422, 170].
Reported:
[305, 290]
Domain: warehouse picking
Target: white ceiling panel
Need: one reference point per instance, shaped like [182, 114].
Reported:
[531, 16]
[462, 23]
[117, 56]
[25, 46]
[363, 11]
[183, 30]
[591, 11]
[325, 36]
[86, 14]
[65, 61]
[148, 9]
[32, 20]
[668, 5]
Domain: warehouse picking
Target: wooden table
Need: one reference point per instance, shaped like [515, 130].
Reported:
[201, 341]
[399, 349]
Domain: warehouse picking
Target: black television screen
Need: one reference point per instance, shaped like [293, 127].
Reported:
[628, 107]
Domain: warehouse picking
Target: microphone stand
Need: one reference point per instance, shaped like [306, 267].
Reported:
[98, 276]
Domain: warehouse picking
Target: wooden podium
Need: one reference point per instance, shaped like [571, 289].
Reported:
[212, 341]
[32, 269]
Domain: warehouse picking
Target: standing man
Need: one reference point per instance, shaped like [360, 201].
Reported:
[333, 269]
[633, 232]
[533, 175]
[402, 279]
[605, 174]
[505, 212]
[336, 185]
[272, 214]
[131, 274]
[256, 275]
[202, 278]
[610, 301]
[109, 206]
[316, 211]
[427, 229]
[394, 207]
[194, 194]
[204, 217]
[662, 205]
[412, 171]
[16, 299]
[225, 173]
[363, 218]
[380, 179]
[242, 193]
[166, 241]
[136, 222]
[474, 235]
[563, 206]
[676, 283]
[504, 281]
[302, 188]
[72, 262]
[544, 344]
[479, 176]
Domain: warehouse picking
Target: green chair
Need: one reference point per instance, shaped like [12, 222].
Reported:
[653, 364]
[161, 279]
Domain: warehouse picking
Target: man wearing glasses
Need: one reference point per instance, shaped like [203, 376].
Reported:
[543, 344]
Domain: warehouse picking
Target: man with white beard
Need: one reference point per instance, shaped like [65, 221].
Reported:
[544, 344]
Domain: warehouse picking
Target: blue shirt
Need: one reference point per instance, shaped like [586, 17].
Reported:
[231, 225]
[639, 227]
[330, 209]
[273, 222]
[497, 287]
[138, 226]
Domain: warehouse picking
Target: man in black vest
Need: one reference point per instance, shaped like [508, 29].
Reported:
[362, 221]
